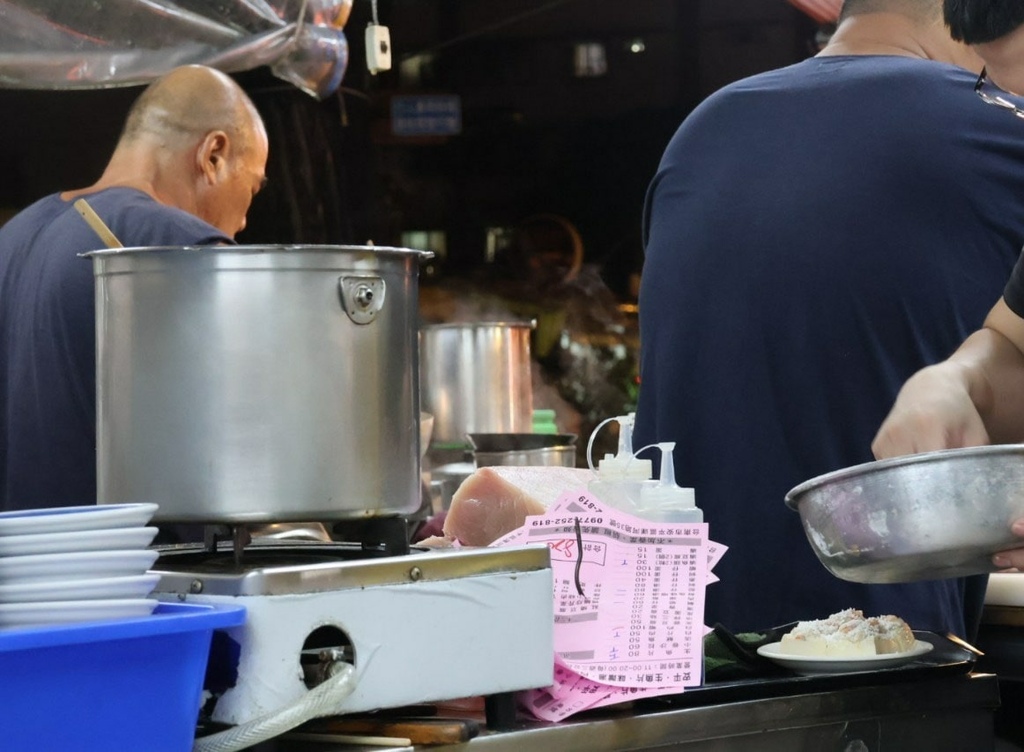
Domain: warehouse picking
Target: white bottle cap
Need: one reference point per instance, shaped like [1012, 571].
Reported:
[663, 500]
[617, 467]
[623, 464]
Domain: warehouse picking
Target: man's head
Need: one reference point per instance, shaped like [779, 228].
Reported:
[204, 143]
[995, 28]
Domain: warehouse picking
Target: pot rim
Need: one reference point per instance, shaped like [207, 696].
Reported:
[258, 248]
[505, 323]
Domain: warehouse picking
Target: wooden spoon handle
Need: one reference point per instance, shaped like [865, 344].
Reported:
[98, 225]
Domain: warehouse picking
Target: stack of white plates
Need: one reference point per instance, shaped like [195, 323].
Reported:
[75, 564]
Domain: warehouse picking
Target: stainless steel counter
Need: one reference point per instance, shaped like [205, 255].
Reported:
[937, 714]
[1001, 637]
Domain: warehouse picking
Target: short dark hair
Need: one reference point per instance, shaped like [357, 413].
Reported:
[979, 21]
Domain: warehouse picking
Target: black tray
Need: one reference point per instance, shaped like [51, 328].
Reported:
[946, 658]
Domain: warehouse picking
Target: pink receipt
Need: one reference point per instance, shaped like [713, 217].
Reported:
[637, 627]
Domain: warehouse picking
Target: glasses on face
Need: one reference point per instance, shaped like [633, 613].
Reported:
[995, 99]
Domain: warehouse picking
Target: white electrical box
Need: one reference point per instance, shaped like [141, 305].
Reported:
[378, 48]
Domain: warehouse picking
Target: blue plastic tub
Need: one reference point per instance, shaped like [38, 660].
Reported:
[133, 684]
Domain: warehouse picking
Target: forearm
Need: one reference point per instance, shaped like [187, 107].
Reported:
[994, 373]
[975, 397]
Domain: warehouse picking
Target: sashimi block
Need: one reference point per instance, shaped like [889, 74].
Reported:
[496, 500]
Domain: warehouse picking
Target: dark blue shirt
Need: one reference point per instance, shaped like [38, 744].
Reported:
[48, 337]
[815, 235]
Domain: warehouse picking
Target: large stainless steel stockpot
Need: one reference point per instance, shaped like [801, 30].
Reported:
[244, 384]
[476, 379]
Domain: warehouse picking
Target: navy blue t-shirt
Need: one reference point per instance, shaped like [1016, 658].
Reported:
[48, 338]
[814, 235]
[1013, 293]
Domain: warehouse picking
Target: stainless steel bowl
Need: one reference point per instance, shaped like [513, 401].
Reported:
[920, 517]
[491, 449]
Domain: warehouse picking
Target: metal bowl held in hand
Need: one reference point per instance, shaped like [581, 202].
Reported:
[249, 384]
[476, 378]
[491, 449]
[920, 517]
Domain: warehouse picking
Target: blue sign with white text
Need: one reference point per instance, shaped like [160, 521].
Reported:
[426, 115]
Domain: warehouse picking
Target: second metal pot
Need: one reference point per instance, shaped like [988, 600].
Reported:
[475, 378]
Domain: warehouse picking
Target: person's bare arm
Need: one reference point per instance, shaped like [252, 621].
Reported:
[1004, 371]
[975, 397]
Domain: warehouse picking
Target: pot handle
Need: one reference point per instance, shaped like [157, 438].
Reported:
[362, 296]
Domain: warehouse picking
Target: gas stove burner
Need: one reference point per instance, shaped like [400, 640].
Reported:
[192, 558]
[314, 568]
[382, 536]
[389, 535]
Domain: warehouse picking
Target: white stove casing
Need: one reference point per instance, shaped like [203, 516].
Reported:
[463, 623]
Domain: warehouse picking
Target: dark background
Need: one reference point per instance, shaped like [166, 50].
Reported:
[535, 137]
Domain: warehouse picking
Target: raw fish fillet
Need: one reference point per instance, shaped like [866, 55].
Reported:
[494, 501]
[435, 541]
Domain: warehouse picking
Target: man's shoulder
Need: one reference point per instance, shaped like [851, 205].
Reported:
[139, 219]
[139, 204]
[46, 205]
[847, 93]
[19, 230]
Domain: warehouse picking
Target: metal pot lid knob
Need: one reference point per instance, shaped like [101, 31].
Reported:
[362, 297]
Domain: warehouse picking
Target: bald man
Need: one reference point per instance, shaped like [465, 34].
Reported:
[191, 157]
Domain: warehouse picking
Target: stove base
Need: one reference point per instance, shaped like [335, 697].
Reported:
[414, 642]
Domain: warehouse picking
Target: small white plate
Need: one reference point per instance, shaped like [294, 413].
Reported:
[79, 565]
[811, 665]
[108, 539]
[136, 586]
[66, 612]
[66, 519]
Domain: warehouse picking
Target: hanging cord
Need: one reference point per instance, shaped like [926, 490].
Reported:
[490, 28]
[376, 21]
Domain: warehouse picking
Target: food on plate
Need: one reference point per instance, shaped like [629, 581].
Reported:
[848, 634]
[494, 501]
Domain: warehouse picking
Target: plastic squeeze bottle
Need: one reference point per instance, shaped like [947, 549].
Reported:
[664, 501]
[620, 476]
